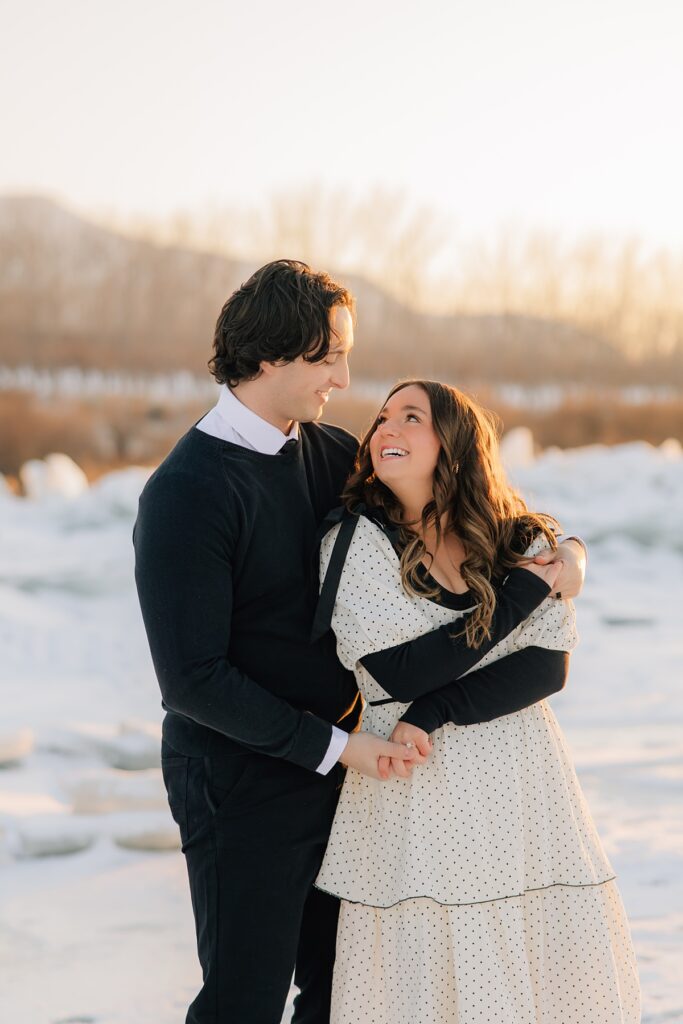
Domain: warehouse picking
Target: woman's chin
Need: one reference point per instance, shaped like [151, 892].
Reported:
[391, 471]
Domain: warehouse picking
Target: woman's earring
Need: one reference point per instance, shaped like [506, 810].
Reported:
[456, 467]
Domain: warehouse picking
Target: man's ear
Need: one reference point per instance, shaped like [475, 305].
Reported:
[269, 369]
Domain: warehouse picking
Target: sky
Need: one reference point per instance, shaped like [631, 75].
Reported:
[562, 116]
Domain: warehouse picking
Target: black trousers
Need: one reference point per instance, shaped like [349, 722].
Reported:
[254, 831]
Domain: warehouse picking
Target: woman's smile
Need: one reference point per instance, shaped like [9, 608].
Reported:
[393, 452]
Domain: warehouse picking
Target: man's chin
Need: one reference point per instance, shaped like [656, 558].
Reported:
[313, 413]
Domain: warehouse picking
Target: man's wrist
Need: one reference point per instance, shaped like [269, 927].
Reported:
[335, 750]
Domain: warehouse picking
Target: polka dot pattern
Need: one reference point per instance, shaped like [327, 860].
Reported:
[559, 956]
[478, 889]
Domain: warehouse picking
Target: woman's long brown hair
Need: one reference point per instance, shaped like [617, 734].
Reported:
[470, 488]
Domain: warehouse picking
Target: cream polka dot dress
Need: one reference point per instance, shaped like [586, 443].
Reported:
[477, 891]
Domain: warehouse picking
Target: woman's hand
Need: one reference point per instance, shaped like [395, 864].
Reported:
[372, 755]
[413, 737]
[549, 573]
[573, 558]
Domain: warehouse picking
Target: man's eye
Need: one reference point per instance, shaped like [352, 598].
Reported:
[381, 419]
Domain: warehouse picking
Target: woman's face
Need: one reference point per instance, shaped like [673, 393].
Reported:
[404, 448]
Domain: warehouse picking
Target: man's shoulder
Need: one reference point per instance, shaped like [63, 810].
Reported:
[192, 467]
[331, 439]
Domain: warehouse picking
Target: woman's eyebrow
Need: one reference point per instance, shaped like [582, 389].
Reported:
[405, 408]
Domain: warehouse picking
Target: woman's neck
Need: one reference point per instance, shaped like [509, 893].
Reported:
[411, 507]
[412, 515]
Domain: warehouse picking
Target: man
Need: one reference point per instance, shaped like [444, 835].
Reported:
[259, 719]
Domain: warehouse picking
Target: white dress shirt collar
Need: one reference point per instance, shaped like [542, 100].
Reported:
[258, 433]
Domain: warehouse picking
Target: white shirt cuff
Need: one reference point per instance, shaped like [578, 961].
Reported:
[334, 751]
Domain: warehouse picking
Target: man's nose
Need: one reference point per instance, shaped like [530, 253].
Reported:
[340, 377]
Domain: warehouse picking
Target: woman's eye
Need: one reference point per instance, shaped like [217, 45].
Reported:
[412, 416]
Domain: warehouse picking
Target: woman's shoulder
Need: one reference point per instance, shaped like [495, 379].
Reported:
[528, 538]
[369, 524]
[363, 538]
[371, 536]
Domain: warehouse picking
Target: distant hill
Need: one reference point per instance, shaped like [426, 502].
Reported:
[75, 293]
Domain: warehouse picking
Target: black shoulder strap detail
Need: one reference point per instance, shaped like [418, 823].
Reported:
[333, 517]
[323, 612]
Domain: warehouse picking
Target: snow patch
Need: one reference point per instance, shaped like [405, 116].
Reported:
[76, 671]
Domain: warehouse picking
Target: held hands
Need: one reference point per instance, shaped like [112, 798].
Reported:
[372, 755]
[572, 559]
[421, 744]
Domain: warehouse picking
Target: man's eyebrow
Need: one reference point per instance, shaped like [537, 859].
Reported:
[344, 348]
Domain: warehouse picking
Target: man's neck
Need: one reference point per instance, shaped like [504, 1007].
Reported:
[255, 400]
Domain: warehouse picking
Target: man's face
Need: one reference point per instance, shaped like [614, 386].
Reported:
[303, 388]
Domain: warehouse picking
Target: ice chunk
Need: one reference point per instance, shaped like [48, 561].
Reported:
[4, 851]
[671, 449]
[133, 746]
[102, 792]
[155, 839]
[517, 448]
[133, 752]
[53, 836]
[56, 475]
[14, 746]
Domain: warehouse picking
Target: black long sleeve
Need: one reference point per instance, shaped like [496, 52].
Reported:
[431, 661]
[507, 685]
[186, 541]
[183, 573]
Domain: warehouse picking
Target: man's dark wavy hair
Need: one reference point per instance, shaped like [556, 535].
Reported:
[280, 313]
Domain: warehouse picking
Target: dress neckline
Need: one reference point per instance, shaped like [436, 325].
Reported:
[446, 597]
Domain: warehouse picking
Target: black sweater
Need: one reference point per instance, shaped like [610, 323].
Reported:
[227, 579]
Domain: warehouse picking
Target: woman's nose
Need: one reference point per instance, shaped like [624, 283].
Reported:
[387, 427]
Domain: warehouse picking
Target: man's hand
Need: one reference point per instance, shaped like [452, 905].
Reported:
[364, 751]
[549, 573]
[407, 734]
[570, 581]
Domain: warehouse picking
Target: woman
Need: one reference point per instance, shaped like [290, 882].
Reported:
[474, 889]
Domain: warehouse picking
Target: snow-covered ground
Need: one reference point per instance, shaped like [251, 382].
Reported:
[95, 918]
